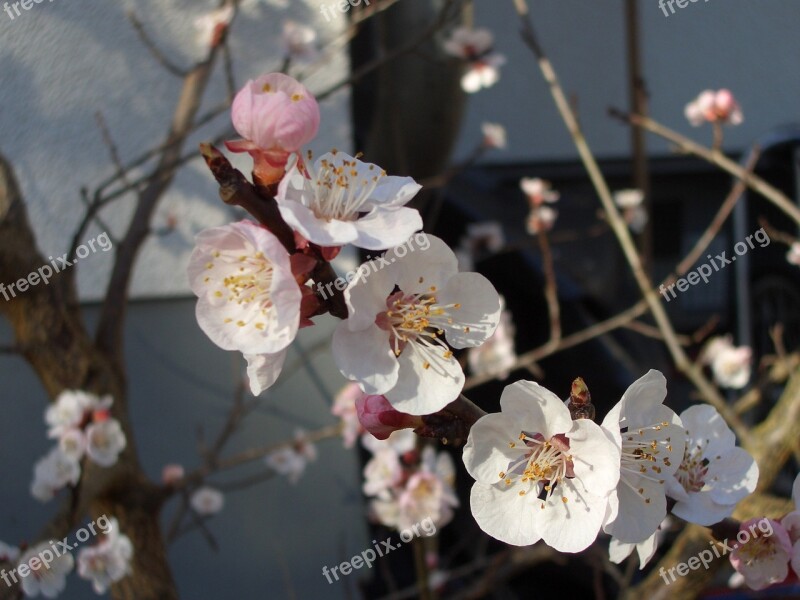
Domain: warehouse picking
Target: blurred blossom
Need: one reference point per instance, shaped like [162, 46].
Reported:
[541, 219]
[171, 474]
[381, 419]
[291, 461]
[763, 558]
[714, 107]
[298, 41]
[344, 407]
[730, 365]
[497, 356]
[211, 26]
[494, 135]
[104, 442]
[629, 198]
[207, 501]
[108, 561]
[474, 46]
[50, 580]
[538, 191]
[793, 256]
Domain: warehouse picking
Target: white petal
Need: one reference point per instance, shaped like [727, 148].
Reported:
[504, 514]
[735, 475]
[796, 492]
[704, 422]
[392, 191]
[596, 459]
[479, 311]
[702, 510]
[535, 409]
[423, 391]
[418, 271]
[643, 394]
[638, 520]
[573, 525]
[386, 227]
[487, 452]
[619, 551]
[263, 370]
[324, 232]
[365, 356]
[367, 293]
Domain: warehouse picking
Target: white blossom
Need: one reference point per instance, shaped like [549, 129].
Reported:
[340, 200]
[104, 442]
[393, 342]
[539, 474]
[207, 501]
[108, 561]
[49, 581]
[53, 472]
[714, 474]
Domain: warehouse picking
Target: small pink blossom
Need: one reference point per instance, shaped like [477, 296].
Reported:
[541, 219]
[538, 191]
[276, 115]
[475, 47]
[344, 407]
[762, 554]
[793, 256]
[212, 26]
[298, 40]
[494, 135]
[714, 107]
[171, 474]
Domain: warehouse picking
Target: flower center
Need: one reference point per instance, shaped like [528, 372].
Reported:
[339, 191]
[417, 319]
[693, 470]
[760, 547]
[541, 466]
[245, 280]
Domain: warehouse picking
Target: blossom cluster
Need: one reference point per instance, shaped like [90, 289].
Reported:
[83, 426]
[406, 485]
[256, 291]
[540, 474]
[42, 568]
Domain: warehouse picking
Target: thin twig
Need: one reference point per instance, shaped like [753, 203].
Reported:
[153, 48]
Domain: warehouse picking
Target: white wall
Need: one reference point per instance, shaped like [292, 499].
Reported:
[64, 60]
[750, 47]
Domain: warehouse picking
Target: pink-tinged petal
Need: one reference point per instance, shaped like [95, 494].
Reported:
[478, 313]
[432, 266]
[316, 230]
[380, 418]
[422, 390]
[263, 370]
[386, 227]
[240, 146]
[791, 523]
[571, 517]
[488, 450]
[365, 356]
[248, 297]
[796, 492]
[276, 112]
[535, 409]
[491, 508]
[796, 558]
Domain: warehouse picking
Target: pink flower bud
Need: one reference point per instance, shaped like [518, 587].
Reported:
[276, 115]
[171, 474]
[378, 417]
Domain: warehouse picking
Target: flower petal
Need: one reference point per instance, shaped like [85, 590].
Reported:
[263, 370]
[423, 391]
[491, 508]
[487, 452]
[535, 409]
[386, 227]
[479, 313]
[365, 356]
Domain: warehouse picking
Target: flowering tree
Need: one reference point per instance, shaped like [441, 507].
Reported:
[548, 476]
